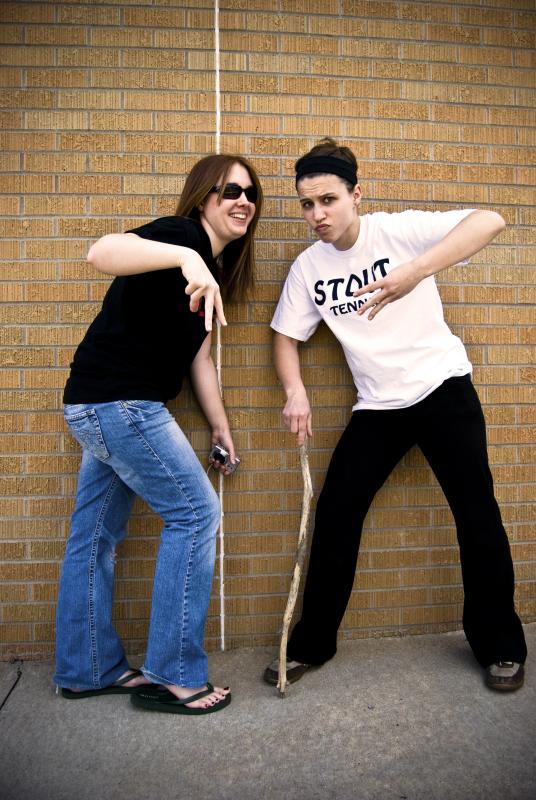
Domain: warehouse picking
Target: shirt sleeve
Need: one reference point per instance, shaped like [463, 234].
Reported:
[296, 314]
[181, 231]
[170, 230]
[424, 229]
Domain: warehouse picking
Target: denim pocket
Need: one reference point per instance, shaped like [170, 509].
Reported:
[143, 410]
[85, 427]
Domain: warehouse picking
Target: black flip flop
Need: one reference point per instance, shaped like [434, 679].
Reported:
[157, 698]
[116, 688]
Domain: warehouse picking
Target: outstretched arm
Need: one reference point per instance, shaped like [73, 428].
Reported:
[204, 381]
[297, 411]
[469, 236]
[130, 254]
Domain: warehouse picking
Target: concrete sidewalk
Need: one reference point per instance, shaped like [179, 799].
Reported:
[387, 719]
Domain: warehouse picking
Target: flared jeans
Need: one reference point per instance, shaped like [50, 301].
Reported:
[129, 448]
[449, 428]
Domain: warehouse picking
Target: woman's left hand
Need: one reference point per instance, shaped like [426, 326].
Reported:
[399, 282]
[202, 284]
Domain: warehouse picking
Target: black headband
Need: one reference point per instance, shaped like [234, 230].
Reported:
[326, 164]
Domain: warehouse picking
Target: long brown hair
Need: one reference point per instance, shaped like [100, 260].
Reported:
[237, 259]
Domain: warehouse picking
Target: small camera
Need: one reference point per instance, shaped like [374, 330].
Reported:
[220, 454]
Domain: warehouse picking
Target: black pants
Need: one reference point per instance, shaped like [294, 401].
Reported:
[449, 427]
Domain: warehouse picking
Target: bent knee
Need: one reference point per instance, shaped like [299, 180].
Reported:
[213, 510]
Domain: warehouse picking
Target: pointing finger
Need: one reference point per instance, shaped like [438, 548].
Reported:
[218, 305]
[371, 287]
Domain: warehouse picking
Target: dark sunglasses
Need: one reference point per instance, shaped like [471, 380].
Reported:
[232, 191]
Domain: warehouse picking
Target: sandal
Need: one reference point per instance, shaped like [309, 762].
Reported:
[116, 688]
[157, 698]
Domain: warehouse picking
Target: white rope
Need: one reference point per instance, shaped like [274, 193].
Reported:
[217, 71]
[218, 326]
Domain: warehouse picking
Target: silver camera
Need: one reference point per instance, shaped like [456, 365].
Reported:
[220, 454]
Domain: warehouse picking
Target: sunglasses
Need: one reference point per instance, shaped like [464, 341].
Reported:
[232, 191]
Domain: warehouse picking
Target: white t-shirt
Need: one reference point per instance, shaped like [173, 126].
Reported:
[407, 350]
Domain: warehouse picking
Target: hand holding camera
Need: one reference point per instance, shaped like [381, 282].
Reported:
[219, 455]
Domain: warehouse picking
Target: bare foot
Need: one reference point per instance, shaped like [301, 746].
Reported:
[139, 680]
[182, 692]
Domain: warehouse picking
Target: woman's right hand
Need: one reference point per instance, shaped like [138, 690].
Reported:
[297, 416]
[130, 254]
[202, 284]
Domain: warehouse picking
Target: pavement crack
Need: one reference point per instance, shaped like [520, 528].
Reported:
[17, 679]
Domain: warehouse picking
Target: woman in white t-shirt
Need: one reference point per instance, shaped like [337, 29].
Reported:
[371, 279]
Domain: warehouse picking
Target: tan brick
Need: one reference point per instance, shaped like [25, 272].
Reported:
[14, 593]
[520, 354]
[17, 12]
[11, 293]
[89, 98]
[10, 250]
[28, 56]
[154, 18]
[154, 58]
[120, 120]
[326, 87]
[88, 57]
[40, 379]
[92, 142]
[279, 63]
[121, 37]
[116, 206]
[46, 592]
[53, 249]
[56, 78]
[30, 612]
[205, 19]
[182, 79]
[119, 78]
[26, 98]
[10, 162]
[10, 379]
[51, 464]
[52, 162]
[54, 205]
[149, 185]
[15, 633]
[26, 184]
[54, 35]
[11, 76]
[90, 184]
[13, 314]
[57, 119]
[45, 422]
[11, 34]
[9, 206]
[229, 62]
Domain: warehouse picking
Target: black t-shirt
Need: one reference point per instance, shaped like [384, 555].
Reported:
[143, 341]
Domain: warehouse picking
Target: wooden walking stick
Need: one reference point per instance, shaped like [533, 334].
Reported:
[300, 555]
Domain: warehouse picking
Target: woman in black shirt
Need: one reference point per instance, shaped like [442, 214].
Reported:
[153, 329]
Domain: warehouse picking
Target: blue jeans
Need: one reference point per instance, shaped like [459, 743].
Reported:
[135, 447]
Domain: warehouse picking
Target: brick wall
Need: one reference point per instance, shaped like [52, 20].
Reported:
[105, 106]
